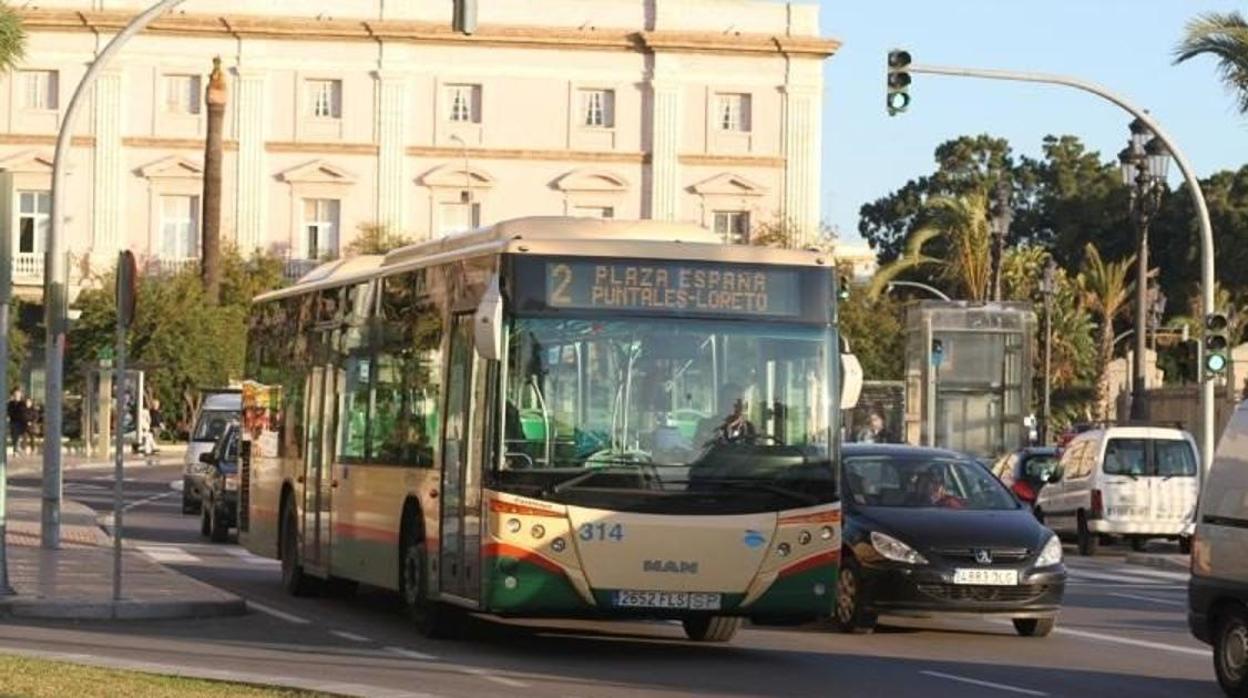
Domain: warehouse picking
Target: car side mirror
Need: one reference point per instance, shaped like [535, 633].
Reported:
[1054, 476]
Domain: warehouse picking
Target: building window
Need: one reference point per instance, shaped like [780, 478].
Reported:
[179, 227]
[598, 108]
[182, 94]
[594, 212]
[463, 103]
[34, 218]
[320, 228]
[39, 90]
[325, 99]
[458, 217]
[733, 226]
[732, 112]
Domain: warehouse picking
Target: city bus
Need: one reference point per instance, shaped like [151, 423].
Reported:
[554, 417]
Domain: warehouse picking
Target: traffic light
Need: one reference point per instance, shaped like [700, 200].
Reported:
[1217, 343]
[464, 16]
[842, 291]
[898, 81]
[938, 352]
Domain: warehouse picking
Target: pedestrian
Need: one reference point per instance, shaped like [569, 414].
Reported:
[34, 425]
[873, 431]
[16, 411]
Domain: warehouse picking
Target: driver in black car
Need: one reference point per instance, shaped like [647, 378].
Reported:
[736, 426]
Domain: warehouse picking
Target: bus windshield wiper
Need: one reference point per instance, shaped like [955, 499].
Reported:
[795, 495]
[589, 474]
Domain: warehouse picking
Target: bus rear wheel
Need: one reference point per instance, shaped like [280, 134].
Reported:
[712, 628]
[294, 581]
[432, 619]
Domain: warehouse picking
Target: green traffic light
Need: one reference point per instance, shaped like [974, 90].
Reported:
[1215, 363]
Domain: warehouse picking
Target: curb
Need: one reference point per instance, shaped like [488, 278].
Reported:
[121, 610]
[1173, 563]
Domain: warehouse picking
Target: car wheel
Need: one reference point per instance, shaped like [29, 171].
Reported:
[294, 581]
[1089, 542]
[1139, 543]
[432, 619]
[1034, 627]
[850, 614]
[1230, 650]
[190, 505]
[205, 525]
[218, 531]
[1185, 545]
[711, 628]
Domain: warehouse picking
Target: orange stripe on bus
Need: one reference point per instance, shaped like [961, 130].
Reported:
[498, 506]
[358, 532]
[832, 516]
[828, 557]
[508, 550]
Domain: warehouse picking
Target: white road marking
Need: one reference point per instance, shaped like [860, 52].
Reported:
[146, 500]
[500, 680]
[412, 654]
[166, 554]
[1110, 577]
[1192, 651]
[1150, 587]
[1167, 602]
[281, 615]
[985, 684]
[177, 485]
[349, 636]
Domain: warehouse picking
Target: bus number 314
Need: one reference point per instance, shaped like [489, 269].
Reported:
[600, 531]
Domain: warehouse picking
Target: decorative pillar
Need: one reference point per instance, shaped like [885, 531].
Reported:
[391, 149]
[803, 110]
[665, 130]
[108, 175]
[251, 198]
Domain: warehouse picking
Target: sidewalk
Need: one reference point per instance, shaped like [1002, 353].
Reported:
[76, 581]
[32, 464]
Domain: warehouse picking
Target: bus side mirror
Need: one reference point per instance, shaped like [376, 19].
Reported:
[851, 381]
[487, 324]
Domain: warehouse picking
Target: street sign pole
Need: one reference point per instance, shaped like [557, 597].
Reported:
[126, 287]
[6, 295]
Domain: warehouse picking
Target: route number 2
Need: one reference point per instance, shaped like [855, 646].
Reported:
[561, 275]
[614, 532]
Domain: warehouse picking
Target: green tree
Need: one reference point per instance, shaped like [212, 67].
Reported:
[19, 345]
[12, 38]
[876, 331]
[376, 239]
[962, 223]
[1225, 37]
[1106, 288]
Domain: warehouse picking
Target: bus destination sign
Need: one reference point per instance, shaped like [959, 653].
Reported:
[661, 286]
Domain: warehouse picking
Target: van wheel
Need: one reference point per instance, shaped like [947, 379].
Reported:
[850, 614]
[712, 628]
[432, 619]
[1185, 545]
[294, 581]
[1230, 651]
[1034, 627]
[1089, 542]
[1138, 543]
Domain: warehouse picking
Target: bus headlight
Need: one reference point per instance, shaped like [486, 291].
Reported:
[804, 537]
[826, 533]
[558, 545]
[513, 525]
[783, 550]
[1051, 554]
[538, 531]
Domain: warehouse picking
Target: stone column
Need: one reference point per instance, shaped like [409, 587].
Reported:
[108, 175]
[391, 149]
[251, 197]
[802, 146]
[665, 129]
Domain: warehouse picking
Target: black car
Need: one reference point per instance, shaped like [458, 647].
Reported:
[1026, 471]
[218, 488]
[930, 532]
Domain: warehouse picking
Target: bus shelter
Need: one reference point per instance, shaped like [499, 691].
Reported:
[969, 369]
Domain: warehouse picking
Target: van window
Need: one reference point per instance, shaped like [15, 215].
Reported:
[211, 425]
[1175, 458]
[1126, 457]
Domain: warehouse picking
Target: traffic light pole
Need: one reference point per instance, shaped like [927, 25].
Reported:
[1206, 437]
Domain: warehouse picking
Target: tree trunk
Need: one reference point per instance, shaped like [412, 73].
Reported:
[215, 100]
[1102, 382]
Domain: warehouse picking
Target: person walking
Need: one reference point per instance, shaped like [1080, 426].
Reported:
[16, 412]
[34, 425]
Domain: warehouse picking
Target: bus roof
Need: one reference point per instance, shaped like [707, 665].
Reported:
[555, 235]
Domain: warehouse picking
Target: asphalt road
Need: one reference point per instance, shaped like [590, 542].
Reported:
[1122, 632]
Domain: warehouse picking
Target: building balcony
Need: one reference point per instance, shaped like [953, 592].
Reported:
[28, 268]
[296, 268]
[166, 266]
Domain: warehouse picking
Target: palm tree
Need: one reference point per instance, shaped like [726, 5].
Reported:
[12, 38]
[967, 265]
[1225, 37]
[1106, 287]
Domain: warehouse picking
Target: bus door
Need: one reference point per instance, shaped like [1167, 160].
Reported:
[317, 488]
[458, 568]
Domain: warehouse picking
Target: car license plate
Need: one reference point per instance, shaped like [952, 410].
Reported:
[693, 601]
[988, 577]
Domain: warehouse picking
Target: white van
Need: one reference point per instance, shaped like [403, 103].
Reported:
[1217, 595]
[1135, 482]
[219, 408]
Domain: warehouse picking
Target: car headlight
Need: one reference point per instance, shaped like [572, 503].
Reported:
[894, 549]
[231, 483]
[1051, 554]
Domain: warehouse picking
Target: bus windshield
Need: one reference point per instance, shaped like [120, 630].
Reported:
[668, 405]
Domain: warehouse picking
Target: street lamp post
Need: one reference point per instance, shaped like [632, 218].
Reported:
[1048, 286]
[1144, 162]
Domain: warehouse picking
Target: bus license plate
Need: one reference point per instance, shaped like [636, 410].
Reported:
[1000, 578]
[693, 601]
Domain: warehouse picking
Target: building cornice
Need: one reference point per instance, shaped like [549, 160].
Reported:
[311, 29]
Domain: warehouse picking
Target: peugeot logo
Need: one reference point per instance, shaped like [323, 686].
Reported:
[983, 556]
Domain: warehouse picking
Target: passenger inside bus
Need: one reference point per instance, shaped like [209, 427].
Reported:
[733, 425]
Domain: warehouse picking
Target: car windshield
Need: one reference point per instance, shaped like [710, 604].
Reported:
[896, 480]
[1132, 457]
[664, 403]
[211, 425]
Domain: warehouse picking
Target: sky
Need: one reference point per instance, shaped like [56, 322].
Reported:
[1125, 45]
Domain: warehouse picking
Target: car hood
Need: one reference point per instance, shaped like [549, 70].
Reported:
[926, 529]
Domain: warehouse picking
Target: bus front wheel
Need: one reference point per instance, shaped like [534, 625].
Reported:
[294, 581]
[711, 628]
[432, 618]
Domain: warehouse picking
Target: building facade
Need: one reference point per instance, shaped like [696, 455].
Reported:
[357, 113]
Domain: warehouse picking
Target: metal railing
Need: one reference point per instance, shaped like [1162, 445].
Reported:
[27, 266]
[168, 266]
[296, 268]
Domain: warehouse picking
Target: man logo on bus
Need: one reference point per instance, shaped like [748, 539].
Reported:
[670, 566]
[754, 539]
